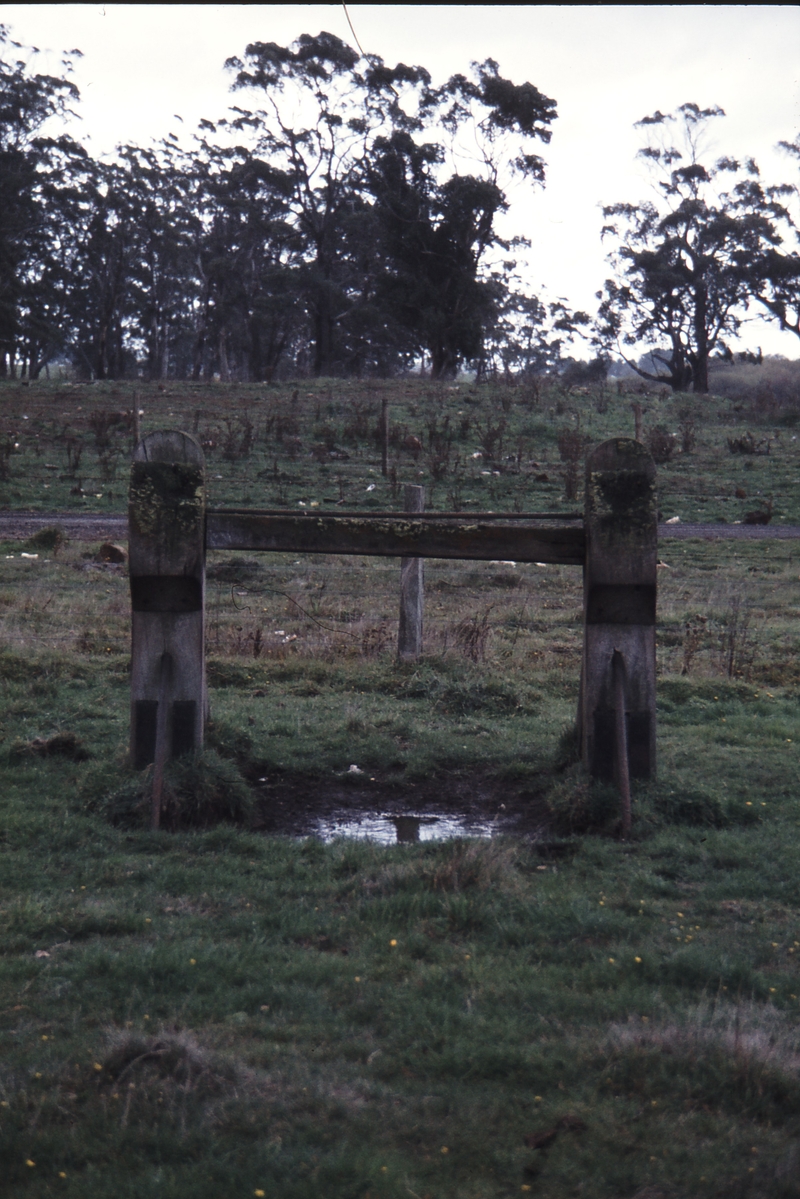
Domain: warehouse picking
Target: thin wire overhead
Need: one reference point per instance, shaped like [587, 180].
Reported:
[352, 30]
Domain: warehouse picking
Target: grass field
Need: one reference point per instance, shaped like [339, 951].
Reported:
[218, 1012]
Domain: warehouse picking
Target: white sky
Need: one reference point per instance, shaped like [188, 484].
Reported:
[605, 65]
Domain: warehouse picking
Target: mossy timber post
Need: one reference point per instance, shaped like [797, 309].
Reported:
[166, 530]
[616, 543]
[620, 523]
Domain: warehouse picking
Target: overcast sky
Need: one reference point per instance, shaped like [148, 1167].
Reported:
[605, 65]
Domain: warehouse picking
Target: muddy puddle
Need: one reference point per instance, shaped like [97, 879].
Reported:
[402, 830]
[397, 816]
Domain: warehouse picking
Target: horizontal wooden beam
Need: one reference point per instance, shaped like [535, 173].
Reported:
[395, 536]
[390, 514]
[87, 526]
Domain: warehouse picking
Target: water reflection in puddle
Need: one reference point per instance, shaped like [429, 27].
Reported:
[405, 830]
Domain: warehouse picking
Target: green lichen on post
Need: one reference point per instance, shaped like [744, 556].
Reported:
[621, 495]
[401, 527]
[167, 499]
[624, 498]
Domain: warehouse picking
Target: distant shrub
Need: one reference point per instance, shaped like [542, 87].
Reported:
[661, 444]
[688, 429]
[50, 539]
[571, 447]
[771, 388]
[748, 443]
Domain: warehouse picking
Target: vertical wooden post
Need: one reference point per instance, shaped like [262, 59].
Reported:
[636, 408]
[619, 609]
[166, 521]
[384, 436]
[409, 640]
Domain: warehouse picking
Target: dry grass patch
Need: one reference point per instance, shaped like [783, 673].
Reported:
[754, 1035]
[453, 867]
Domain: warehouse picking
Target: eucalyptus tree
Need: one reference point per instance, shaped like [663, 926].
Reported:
[248, 260]
[779, 269]
[160, 294]
[439, 220]
[323, 107]
[687, 263]
[103, 281]
[36, 170]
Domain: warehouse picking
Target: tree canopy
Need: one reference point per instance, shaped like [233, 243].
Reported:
[687, 264]
[344, 218]
[778, 272]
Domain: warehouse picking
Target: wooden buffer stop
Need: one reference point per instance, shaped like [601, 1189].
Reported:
[171, 527]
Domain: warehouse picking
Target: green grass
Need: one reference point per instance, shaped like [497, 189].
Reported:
[216, 1012]
[220, 1012]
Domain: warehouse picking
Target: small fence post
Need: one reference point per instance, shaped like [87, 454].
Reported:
[166, 522]
[409, 640]
[619, 611]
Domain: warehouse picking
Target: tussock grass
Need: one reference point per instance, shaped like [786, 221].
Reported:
[197, 792]
[744, 1034]
[60, 745]
[453, 867]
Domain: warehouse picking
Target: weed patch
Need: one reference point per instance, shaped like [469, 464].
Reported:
[50, 539]
[60, 745]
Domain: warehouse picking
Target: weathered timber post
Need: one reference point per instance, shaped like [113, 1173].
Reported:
[636, 409]
[166, 522]
[619, 610]
[412, 594]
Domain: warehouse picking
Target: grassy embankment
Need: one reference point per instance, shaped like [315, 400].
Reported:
[215, 1012]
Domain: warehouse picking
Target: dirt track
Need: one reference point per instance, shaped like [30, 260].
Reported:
[18, 526]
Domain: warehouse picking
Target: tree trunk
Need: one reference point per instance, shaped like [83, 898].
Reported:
[200, 341]
[224, 370]
[100, 370]
[163, 368]
[119, 352]
[199, 347]
[700, 359]
[444, 363]
[152, 349]
[323, 335]
[700, 374]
